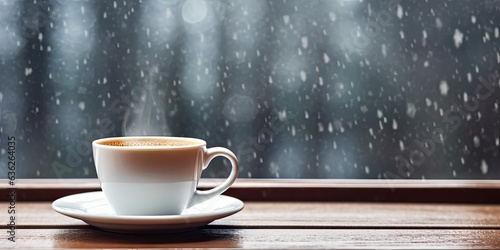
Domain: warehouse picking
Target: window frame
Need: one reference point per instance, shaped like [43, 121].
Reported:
[314, 190]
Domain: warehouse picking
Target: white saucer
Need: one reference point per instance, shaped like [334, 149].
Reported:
[93, 208]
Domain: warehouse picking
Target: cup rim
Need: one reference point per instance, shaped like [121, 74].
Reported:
[196, 143]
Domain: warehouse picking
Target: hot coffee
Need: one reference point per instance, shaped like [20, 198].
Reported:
[147, 175]
[147, 142]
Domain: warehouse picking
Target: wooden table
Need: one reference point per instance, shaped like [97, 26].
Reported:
[285, 225]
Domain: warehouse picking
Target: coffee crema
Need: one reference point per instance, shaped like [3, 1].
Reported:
[147, 142]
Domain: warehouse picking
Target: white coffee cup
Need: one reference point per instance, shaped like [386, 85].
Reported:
[151, 175]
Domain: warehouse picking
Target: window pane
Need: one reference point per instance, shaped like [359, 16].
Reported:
[297, 89]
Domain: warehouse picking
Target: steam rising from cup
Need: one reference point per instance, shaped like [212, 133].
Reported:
[146, 114]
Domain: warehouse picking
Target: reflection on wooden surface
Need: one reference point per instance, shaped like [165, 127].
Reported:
[284, 225]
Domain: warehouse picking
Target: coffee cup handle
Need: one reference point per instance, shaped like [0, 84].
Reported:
[203, 195]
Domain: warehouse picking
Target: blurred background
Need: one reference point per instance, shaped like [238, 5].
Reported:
[297, 89]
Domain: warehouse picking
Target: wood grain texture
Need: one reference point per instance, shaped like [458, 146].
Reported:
[263, 238]
[282, 225]
[423, 191]
[314, 215]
